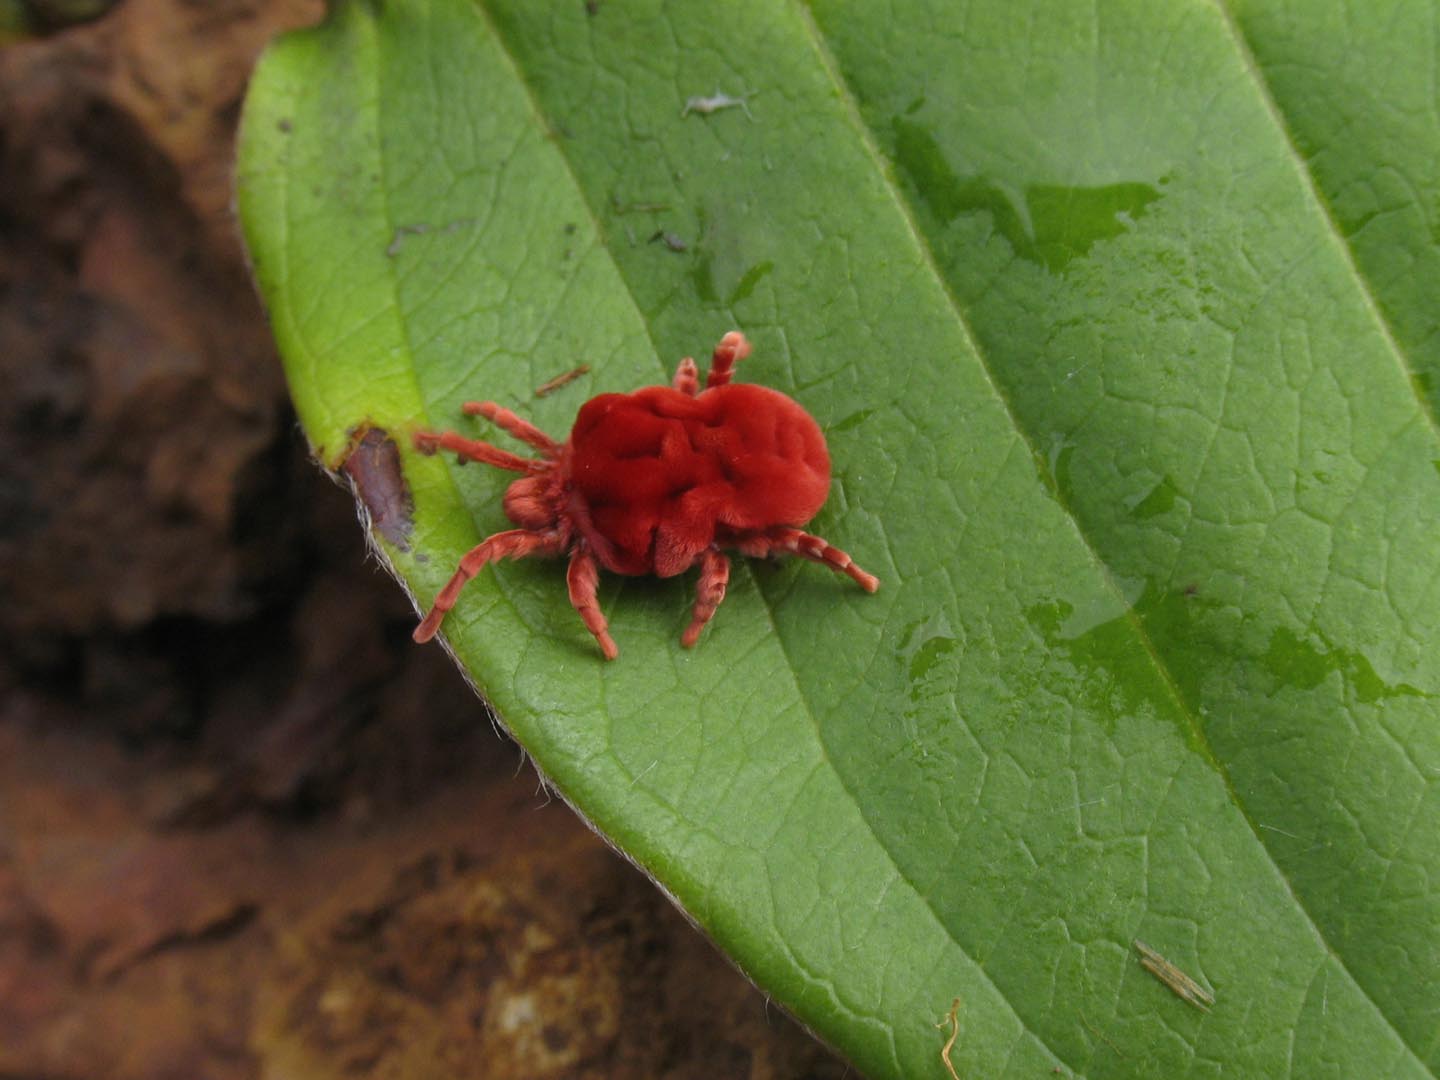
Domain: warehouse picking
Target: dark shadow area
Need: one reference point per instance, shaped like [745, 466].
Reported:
[247, 828]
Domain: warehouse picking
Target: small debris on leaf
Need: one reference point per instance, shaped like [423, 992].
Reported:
[1182, 985]
[952, 1018]
[715, 102]
[551, 385]
[397, 238]
[670, 240]
[637, 207]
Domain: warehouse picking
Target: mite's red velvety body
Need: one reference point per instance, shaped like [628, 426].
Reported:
[655, 482]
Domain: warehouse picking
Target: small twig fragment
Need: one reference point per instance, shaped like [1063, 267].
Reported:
[1101, 1035]
[551, 385]
[952, 1018]
[1180, 984]
[715, 102]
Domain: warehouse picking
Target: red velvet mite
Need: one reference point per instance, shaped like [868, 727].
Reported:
[654, 482]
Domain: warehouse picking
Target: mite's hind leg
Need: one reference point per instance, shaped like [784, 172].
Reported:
[714, 576]
[584, 579]
[807, 546]
[521, 428]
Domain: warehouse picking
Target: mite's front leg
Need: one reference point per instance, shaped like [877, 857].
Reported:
[516, 425]
[431, 442]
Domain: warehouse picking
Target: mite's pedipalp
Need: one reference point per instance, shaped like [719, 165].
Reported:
[687, 377]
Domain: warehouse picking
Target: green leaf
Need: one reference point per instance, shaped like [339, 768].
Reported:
[1120, 321]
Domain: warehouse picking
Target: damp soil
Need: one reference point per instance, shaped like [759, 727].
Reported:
[247, 829]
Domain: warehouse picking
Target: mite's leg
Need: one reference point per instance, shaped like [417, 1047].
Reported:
[514, 544]
[429, 442]
[521, 428]
[733, 348]
[714, 576]
[796, 542]
[687, 377]
[584, 579]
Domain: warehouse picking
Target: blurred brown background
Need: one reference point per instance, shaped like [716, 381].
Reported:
[246, 828]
